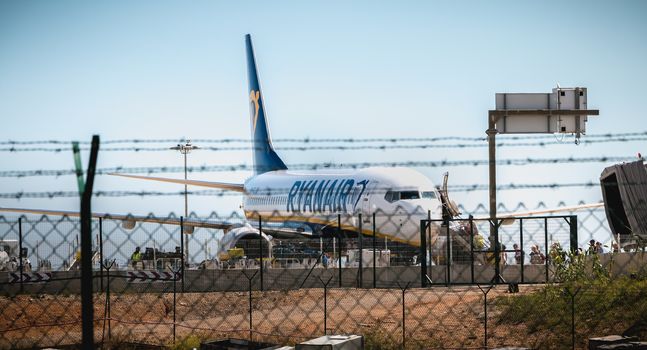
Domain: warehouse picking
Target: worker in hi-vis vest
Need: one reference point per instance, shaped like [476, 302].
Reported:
[136, 257]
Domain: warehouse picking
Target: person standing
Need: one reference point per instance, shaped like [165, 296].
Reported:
[598, 248]
[518, 254]
[536, 256]
[592, 249]
[324, 260]
[136, 257]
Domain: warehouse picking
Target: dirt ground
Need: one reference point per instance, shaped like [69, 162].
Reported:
[434, 318]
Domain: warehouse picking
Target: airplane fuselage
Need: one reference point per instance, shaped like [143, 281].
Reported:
[312, 201]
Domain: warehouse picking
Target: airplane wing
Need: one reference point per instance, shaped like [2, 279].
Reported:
[509, 218]
[221, 185]
[129, 221]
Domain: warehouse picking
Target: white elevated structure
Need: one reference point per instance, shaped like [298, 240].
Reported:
[564, 110]
[547, 118]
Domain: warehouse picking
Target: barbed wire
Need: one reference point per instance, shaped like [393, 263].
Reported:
[221, 193]
[316, 166]
[393, 145]
[320, 140]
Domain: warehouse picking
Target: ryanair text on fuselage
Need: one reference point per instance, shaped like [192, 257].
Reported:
[318, 196]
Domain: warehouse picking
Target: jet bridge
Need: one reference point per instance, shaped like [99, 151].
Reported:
[624, 189]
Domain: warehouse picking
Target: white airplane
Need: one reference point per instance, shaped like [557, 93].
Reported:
[312, 203]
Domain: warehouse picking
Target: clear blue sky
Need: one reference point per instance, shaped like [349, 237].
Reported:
[162, 69]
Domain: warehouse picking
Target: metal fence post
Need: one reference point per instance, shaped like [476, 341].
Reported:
[360, 235]
[423, 253]
[101, 253]
[107, 304]
[404, 326]
[471, 218]
[546, 246]
[573, 233]
[20, 257]
[325, 284]
[340, 246]
[326, 307]
[251, 325]
[260, 246]
[485, 293]
[182, 251]
[428, 251]
[494, 225]
[374, 255]
[109, 301]
[87, 308]
[573, 322]
[175, 271]
[448, 259]
[572, 296]
[523, 257]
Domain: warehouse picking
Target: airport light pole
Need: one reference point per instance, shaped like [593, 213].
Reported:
[184, 150]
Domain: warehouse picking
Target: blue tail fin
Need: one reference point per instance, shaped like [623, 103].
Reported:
[265, 159]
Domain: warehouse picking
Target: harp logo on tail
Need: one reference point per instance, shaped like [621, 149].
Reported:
[254, 96]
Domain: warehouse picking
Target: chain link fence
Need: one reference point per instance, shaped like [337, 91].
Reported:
[449, 284]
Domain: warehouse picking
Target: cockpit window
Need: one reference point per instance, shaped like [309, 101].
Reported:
[393, 196]
[429, 194]
[404, 195]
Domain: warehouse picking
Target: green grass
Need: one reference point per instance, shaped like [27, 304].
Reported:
[602, 306]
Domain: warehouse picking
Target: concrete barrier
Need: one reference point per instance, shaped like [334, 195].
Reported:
[68, 282]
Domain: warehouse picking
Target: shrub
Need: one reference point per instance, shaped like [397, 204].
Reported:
[601, 305]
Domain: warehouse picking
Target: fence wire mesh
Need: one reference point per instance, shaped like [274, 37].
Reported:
[441, 287]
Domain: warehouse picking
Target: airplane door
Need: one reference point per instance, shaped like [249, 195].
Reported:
[367, 210]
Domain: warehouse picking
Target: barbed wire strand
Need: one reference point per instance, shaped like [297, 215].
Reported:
[317, 166]
[382, 147]
[319, 140]
[221, 193]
